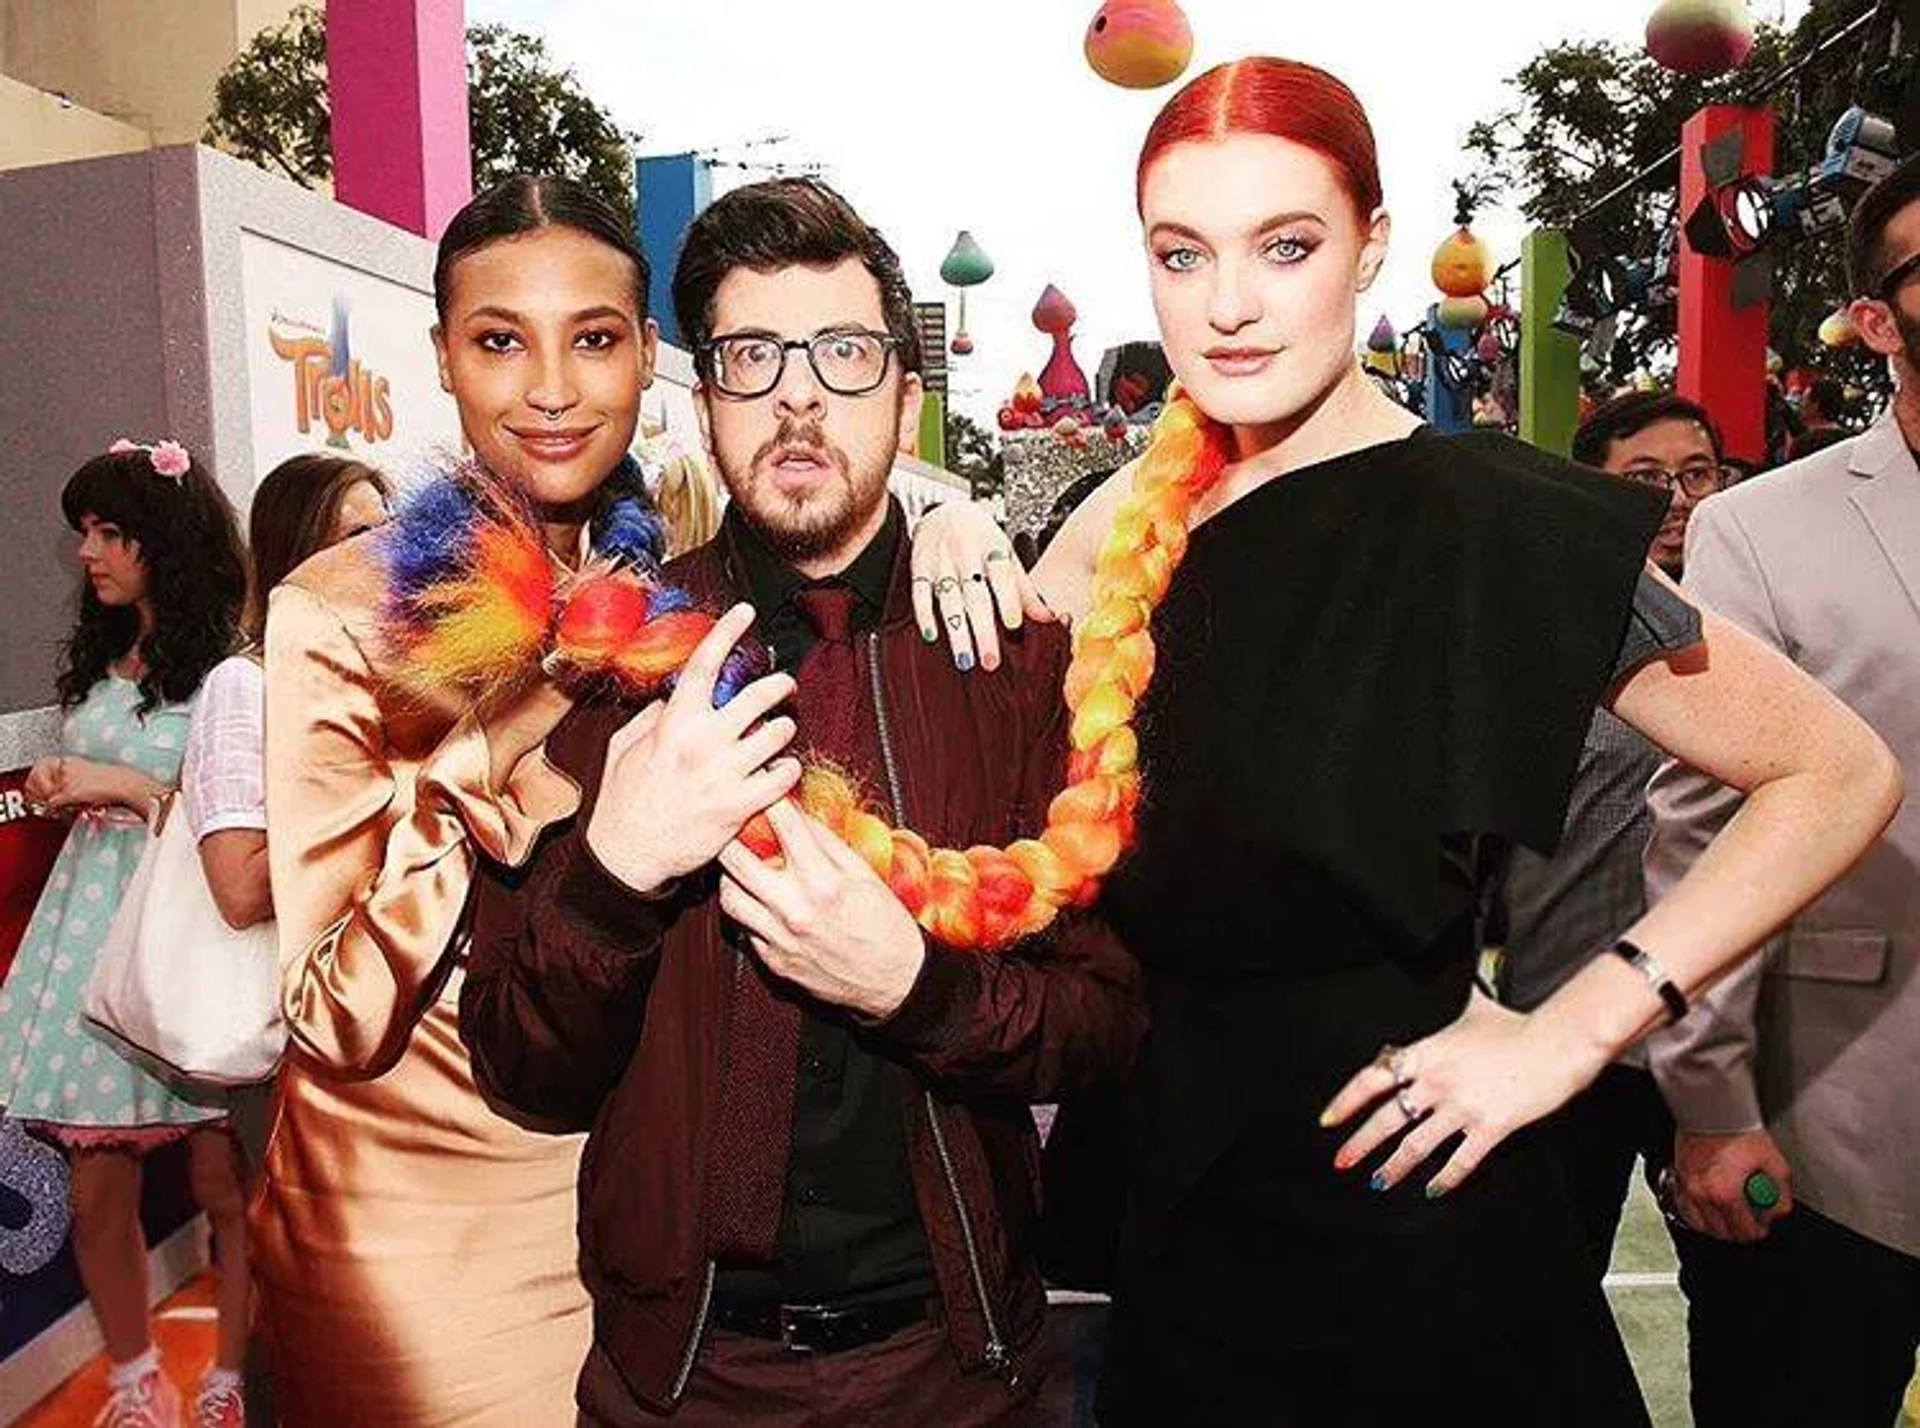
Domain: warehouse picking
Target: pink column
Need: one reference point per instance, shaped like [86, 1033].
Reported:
[397, 83]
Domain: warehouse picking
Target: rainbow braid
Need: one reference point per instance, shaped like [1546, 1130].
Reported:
[986, 898]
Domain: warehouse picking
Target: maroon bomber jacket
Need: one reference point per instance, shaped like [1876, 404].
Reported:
[568, 966]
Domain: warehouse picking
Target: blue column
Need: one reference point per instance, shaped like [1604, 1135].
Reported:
[669, 190]
[1448, 408]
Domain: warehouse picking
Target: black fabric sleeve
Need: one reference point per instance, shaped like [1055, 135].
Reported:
[1660, 623]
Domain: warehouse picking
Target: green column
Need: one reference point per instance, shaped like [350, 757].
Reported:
[1549, 358]
[933, 429]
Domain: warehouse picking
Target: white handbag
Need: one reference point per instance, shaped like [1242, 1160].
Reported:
[175, 982]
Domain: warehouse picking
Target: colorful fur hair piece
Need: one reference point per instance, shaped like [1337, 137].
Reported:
[475, 603]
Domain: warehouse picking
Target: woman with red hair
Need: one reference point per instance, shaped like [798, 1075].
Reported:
[1378, 652]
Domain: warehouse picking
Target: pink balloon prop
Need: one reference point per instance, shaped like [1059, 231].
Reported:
[1061, 379]
[1054, 313]
[1139, 44]
[1701, 38]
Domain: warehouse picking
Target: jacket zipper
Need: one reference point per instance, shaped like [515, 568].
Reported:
[999, 1359]
[699, 1332]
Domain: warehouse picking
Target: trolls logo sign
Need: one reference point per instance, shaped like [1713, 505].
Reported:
[330, 386]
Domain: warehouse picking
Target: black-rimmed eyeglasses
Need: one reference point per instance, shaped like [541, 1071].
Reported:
[1696, 481]
[1897, 276]
[849, 362]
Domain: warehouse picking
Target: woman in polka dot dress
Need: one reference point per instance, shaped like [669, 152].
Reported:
[164, 580]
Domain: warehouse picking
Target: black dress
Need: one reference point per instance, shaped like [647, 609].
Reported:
[1370, 672]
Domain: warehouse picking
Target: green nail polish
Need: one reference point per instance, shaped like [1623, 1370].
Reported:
[1434, 1192]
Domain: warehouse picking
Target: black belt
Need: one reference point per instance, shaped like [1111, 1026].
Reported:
[821, 1328]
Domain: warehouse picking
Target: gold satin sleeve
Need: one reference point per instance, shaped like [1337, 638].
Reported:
[371, 843]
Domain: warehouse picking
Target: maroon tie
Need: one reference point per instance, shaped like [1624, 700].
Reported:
[828, 702]
[747, 1167]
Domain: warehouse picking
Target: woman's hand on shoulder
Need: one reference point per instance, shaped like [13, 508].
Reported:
[967, 581]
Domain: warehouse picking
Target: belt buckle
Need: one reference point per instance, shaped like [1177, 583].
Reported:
[794, 1320]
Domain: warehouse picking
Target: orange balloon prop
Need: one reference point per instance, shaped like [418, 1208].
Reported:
[1462, 264]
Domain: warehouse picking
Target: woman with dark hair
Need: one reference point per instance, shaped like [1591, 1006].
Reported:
[164, 580]
[415, 1252]
[304, 505]
[1376, 655]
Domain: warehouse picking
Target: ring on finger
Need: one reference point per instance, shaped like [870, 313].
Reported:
[946, 585]
[1393, 1060]
[1407, 1108]
[921, 580]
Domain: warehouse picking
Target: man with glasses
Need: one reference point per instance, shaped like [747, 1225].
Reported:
[1562, 911]
[1802, 1064]
[807, 1196]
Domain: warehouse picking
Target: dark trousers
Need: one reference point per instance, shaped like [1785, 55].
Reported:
[1814, 1325]
[1617, 1120]
[910, 1378]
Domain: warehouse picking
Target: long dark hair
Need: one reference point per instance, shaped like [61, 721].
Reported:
[293, 511]
[189, 542]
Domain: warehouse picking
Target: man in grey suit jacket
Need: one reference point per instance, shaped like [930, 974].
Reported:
[1805, 1062]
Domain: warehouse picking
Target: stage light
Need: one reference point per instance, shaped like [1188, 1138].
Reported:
[1861, 149]
[1599, 288]
[1734, 220]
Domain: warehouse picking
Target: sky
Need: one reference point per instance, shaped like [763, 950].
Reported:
[936, 115]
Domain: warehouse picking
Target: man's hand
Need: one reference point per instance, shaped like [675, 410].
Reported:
[1710, 1174]
[824, 921]
[682, 778]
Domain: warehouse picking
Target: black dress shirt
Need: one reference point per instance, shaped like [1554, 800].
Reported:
[850, 1228]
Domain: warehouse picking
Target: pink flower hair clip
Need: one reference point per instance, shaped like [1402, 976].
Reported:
[169, 458]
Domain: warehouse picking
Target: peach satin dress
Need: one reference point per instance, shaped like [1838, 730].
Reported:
[415, 1253]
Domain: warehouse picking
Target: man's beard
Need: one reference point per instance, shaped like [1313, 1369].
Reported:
[820, 522]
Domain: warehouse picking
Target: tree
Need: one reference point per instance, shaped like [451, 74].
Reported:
[525, 113]
[1587, 118]
[974, 453]
[528, 117]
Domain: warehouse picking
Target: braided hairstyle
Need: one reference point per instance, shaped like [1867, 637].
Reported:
[985, 898]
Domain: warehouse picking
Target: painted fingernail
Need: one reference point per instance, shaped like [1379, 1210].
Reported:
[929, 635]
[963, 661]
[1434, 1192]
[1378, 1181]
